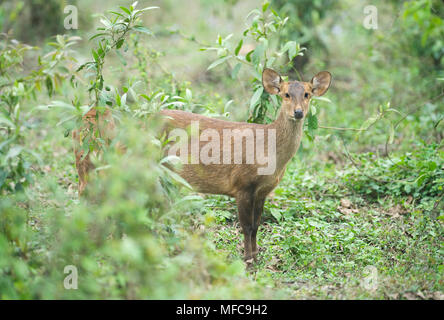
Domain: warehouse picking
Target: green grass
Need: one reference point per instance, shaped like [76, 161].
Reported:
[350, 210]
[318, 237]
[319, 241]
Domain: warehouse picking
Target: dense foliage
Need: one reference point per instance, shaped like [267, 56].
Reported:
[364, 193]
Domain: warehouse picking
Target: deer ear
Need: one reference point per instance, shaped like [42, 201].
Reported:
[321, 83]
[271, 80]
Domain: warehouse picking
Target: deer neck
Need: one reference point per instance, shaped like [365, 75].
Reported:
[288, 137]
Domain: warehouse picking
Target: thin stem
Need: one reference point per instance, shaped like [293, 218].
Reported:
[342, 129]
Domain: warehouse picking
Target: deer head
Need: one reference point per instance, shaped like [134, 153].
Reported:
[295, 95]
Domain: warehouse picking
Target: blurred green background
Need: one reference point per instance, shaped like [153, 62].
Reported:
[365, 188]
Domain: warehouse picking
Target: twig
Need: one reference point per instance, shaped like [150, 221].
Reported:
[419, 107]
[438, 201]
[342, 129]
[348, 156]
[387, 152]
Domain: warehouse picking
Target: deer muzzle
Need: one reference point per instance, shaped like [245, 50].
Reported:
[298, 114]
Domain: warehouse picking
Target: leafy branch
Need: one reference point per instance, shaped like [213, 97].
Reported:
[17, 85]
[112, 37]
[263, 26]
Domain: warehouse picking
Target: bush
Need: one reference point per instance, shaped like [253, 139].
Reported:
[419, 173]
[130, 240]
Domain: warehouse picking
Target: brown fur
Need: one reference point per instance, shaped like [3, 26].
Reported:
[242, 181]
[106, 130]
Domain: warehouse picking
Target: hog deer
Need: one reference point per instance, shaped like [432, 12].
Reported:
[243, 180]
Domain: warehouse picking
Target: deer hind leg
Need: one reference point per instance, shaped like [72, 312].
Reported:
[83, 164]
[258, 208]
[245, 211]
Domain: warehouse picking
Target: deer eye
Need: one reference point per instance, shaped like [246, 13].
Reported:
[287, 95]
[306, 95]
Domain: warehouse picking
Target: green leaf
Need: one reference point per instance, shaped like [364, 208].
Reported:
[49, 85]
[254, 11]
[100, 85]
[60, 40]
[322, 99]
[188, 94]
[248, 56]
[177, 177]
[256, 96]
[61, 104]
[83, 66]
[106, 23]
[227, 38]
[95, 55]
[258, 53]
[239, 46]
[369, 122]
[116, 13]
[391, 133]
[119, 43]
[4, 120]
[236, 70]
[148, 8]
[276, 214]
[431, 165]
[292, 51]
[312, 122]
[142, 29]
[218, 62]
[118, 101]
[14, 152]
[121, 58]
[313, 110]
[127, 11]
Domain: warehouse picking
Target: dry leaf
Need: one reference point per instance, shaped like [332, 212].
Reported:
[345, 203]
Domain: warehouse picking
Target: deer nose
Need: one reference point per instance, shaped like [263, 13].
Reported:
[298, 114]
